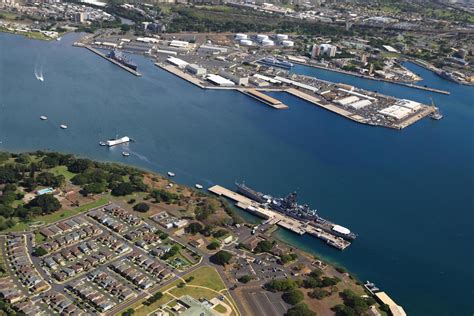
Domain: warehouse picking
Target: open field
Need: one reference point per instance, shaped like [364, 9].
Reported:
[62, 170]
[56, 216]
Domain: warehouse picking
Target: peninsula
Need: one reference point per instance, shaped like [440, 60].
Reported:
[80, 236]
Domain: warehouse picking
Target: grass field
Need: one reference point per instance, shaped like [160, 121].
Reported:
[220, 308]
[195, 292]
[62, 170]
[144, 310]
[208, 277]
[56, 216]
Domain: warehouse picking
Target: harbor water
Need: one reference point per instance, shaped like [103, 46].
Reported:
[408, 194]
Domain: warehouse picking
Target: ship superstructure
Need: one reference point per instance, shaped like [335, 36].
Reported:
[121, 58]
[275, 62]
[290, 207]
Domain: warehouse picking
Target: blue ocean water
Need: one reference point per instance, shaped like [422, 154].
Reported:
[408, 194]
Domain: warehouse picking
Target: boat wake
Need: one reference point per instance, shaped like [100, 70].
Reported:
[39, 72]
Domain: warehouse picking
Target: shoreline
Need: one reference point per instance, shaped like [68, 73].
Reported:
[299, 94]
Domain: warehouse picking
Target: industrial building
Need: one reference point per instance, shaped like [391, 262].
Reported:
[219, 80]
[396, 112]
[177, 62]
[196, 70]
[179, 44]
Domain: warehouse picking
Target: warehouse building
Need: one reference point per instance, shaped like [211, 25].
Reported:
[219, 80]
[177, 62]
[396, 112]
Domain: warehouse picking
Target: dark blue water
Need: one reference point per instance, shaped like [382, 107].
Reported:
[408, 194]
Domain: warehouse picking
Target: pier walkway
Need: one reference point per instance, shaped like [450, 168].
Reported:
[274, 103]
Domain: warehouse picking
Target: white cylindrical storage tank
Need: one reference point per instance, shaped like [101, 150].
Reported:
[240, 36]
[281, 37]
[262, 37]
[267, 42]
[288, 43]
[246, 42]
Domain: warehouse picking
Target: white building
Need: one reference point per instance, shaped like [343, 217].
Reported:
[323, 49]
[177, 62]
[219, 80]
[196, 69]
[179, 44]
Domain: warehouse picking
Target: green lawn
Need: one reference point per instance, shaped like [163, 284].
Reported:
[56, 216]
[220, 308]
[194, 292]
[144, 310]
[62, 170]
[206, 276]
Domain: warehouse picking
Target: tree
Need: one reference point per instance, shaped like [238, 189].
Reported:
[49, 179]
[293, 297]
[46, 202]
[281, 285]
[123, 188]
[311, 283]
[245, 279]
[327, 281]
[128, 312]
[96, 188]
[284, 259]
[300, 309]
[79, 165]
[263, 246]
[141, 207]
[125, 28]
[213, 245]
[319, 294]
[221, 258]
[39, 252]
[220, 233]
[194, 228]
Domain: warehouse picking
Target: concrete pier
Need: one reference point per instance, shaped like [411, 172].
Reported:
[327, 106]
[406, 84]
[134, 72]
[274, 103]
[297, 226]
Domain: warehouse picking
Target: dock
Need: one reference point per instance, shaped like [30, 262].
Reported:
[297, 226]
[401, 83]
[327, 106]
[274, 103]
[95, 51]
[177, 72]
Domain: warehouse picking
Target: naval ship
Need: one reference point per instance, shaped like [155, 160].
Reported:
[121, 58]
[290, 207]
[274, 62]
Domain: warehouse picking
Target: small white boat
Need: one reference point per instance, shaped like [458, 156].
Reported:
[198, 186]
[125, 154]
[171, 174]
[63, 126]
[43, 118]
[102, 144]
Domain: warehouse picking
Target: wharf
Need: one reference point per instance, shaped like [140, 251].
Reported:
[410, 85]
[274, 103]
[134, 72]
[328, 106]
[294, 225]
[177, 72]
[426, 112]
